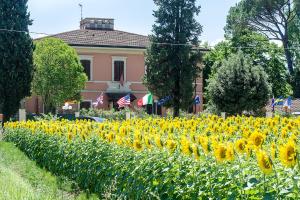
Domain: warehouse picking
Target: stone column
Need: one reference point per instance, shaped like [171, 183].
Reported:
[22, 115]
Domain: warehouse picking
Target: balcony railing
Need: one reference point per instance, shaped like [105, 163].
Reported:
[115, 86]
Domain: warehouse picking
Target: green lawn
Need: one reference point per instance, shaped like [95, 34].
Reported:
[21, 178]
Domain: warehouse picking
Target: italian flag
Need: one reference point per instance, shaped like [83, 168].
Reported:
[147, 99]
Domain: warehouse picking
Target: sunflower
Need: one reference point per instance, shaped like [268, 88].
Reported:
[110, 137]
[158, 141]
[257, 139]
[70, 136]
[289, 127]
[193, 137]
[148, 142]
[137, 135]
[288, 154]
[240, 146]
[284, 132]
[246, 132]
[264, 162]
[119, 140]
[137, 145]
[229, 152]
[220, 153]
[190, 148]
[293, 138]
[171, 145]
[83, 136]
[273, 151]
[185, 146]
[203, 141]
[248, 150]
[196, 151]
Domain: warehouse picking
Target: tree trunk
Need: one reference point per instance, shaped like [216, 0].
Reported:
[177, 88]
[49, 108]
[1, 112]
[176, 107]
[4, 120]
[295, 77]
[296, 85]
[289, 57]
[176, 96]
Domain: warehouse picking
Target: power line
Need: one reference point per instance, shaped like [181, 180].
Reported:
[240, 47]
[32, 32]
[157, 43]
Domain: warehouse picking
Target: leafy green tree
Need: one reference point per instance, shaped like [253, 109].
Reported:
[267, 55]
[274, 66]
[172, 58]
[239, 86]
[272, 18]
[59, 75]
[16, 49]
[294, 30]
[212, 61]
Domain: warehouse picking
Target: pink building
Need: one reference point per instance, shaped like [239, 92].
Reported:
[113, 60]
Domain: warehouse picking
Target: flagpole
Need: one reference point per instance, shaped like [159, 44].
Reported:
[195, 95]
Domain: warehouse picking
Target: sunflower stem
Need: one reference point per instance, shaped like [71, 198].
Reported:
[241, 172]
[298, 163]
[265, 187]
[296, 189]
[277, 181]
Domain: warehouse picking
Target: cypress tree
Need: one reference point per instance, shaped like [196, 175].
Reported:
[16, 50]
[172, 57]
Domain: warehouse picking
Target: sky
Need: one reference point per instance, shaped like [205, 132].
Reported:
[56, 16]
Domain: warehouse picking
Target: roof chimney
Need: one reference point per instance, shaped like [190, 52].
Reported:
[97, 24]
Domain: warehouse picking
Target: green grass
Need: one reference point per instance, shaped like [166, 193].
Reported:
[21, 178]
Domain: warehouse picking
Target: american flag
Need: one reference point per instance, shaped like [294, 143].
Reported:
[99, 100]
[124, 101]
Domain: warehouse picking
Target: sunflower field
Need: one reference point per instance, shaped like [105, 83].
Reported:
[162, 158]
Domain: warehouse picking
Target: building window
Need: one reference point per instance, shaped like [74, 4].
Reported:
[85, 105]
[119, 68]
[87, 63]
[87, 68]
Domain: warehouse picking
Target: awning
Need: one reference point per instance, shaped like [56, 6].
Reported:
[117, 96]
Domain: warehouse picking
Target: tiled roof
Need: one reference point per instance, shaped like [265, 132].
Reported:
[103, 38]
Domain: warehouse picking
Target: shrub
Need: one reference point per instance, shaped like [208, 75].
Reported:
[238, 86]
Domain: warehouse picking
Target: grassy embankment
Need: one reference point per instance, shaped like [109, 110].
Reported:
[21, 178]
